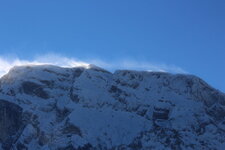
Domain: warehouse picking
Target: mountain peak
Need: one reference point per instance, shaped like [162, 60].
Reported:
[91, 108]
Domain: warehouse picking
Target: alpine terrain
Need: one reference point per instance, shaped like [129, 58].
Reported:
[52, 108]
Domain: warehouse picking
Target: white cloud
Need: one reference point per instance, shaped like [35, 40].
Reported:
[6, 64]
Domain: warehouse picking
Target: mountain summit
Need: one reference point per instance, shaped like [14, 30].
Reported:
[52, 108]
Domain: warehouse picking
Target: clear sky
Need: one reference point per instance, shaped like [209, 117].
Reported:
[184, 34]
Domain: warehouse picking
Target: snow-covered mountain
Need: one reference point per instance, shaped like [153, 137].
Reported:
[52, 108]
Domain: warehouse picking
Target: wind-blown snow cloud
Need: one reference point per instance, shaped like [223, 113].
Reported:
[50, 59]
[147, 66]
[53, 59]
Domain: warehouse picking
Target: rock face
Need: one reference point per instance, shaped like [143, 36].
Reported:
[10, 122]
[53, 108]
[161, 112]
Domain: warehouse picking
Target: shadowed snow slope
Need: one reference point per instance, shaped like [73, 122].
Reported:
[52, 108]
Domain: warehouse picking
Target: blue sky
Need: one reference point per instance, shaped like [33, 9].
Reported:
[187, 35]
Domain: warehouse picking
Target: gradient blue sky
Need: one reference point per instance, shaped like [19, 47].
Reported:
[189, 34]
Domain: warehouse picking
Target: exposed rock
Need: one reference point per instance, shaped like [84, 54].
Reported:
[32, 88]
[10, 122]
[161, 111]
[71, 129]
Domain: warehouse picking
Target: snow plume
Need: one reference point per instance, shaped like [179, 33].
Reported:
[52, 59]
[6, 64]
[146, 66]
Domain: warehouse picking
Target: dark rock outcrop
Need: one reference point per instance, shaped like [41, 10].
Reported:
[10, 122]
[32, 88]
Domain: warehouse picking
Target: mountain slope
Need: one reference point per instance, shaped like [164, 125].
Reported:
[52, 108]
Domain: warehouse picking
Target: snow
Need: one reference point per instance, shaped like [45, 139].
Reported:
[104, 123]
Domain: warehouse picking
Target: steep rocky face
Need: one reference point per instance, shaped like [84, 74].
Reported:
[53, 108]
[10, 122]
